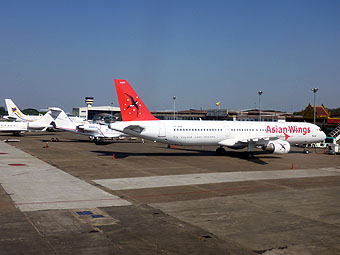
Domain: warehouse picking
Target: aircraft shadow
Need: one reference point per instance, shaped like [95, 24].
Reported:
[41, 134]
[66, 141]
[258, 155]
[86, 141]
[194, 153]
[131, 154]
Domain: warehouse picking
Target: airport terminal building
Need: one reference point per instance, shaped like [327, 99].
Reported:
[89, 112]
[222, 114]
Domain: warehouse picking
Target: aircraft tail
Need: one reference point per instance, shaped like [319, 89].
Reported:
[42, 123]
[131, 106]
[14, 111]
[60, 119]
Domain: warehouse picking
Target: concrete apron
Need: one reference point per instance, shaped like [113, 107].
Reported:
[35, 185]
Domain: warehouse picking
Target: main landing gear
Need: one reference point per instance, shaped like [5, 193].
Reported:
[251, 147]
[220, 151]
[305, 149]
[98, 140]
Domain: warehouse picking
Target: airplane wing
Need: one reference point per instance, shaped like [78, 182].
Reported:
[7, 117]
[134, 128]
[129, 129]
[254, 140]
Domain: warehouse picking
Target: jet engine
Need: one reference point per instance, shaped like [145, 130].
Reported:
[80, 128]
[277, 147]
[86, 127]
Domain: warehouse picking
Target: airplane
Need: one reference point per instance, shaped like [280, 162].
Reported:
[15, 114]
[96, 132]
[273, 137]
[16, 128]
[20, 127]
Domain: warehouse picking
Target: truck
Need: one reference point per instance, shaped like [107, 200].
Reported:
[333, 149]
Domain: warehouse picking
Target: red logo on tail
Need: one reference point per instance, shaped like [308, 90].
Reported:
[131, 106]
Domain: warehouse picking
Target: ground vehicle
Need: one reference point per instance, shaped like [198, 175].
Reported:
[333, 149]
[327, 141]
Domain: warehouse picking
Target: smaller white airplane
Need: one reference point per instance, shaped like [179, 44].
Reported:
[16, 128]
[96, 132]
[20, 127]
[15, 114]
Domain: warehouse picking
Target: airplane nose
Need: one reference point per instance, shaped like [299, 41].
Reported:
[322, 135]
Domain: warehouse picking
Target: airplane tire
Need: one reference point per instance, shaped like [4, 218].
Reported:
[98, 141]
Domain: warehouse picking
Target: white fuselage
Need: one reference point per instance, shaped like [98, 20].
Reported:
[93, 130]
[225, 133]
[13, 126]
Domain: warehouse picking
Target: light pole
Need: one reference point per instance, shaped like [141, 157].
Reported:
[314, 90]
[174, 98]
[260, 93]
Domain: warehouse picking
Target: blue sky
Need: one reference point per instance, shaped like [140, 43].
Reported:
[54, 53]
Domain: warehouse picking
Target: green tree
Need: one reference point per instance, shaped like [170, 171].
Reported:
[335, 111]
[297, 113]
[3, 111]
[30, 111]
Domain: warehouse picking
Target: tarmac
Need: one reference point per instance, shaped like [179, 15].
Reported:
[129, 197]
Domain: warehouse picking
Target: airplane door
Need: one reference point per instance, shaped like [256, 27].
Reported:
[227, 131]
[162, 131]
[314, 132]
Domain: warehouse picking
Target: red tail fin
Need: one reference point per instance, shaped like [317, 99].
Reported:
[131, 106]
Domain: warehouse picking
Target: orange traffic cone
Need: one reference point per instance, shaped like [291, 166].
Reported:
[292, 165]
[46, 145]
[113, 156]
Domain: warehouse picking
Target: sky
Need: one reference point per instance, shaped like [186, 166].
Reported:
[55, 53]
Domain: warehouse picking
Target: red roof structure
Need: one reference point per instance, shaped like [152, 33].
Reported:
[321, 112]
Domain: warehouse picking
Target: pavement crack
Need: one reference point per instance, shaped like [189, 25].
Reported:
[40, 234]
[271, 249]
